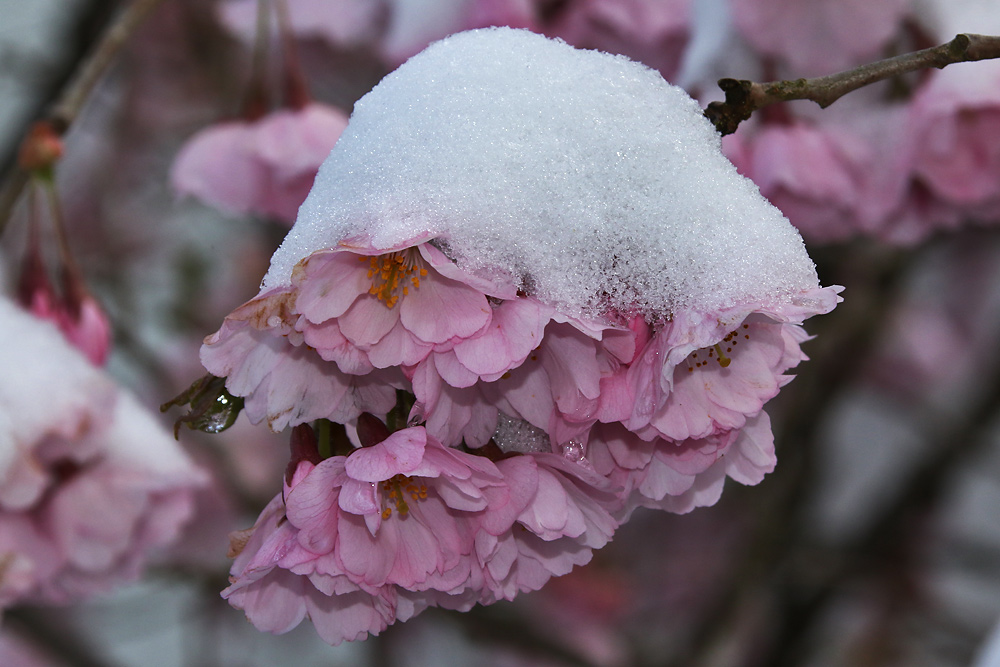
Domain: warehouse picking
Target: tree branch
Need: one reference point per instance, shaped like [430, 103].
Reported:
[744, 97]
[70, 102]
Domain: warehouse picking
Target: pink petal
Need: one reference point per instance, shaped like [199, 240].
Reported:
[442, 309]
[400, 453]
[515, 330]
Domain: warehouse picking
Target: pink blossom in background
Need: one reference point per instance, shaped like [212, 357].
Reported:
[809, 172]
[263, 167]
[654, 33]
[77, 314]
[955, 126]
[90, 484]
[856, 173]
[820, 37]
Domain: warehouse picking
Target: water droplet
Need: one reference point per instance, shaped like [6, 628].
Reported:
[572, 450]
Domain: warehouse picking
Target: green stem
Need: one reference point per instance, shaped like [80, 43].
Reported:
[323, 438]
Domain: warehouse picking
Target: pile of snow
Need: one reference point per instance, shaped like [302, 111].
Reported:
[584, 177]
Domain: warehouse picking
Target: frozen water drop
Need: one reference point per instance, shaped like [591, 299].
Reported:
[517, 435]
[572, 450]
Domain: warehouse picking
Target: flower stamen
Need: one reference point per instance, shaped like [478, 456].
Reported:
[392, 275]
[396, 489]
[716, 352]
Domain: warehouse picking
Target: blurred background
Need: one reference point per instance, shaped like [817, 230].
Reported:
[877, 539]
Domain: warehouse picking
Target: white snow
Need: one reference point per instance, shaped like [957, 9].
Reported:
[52, 396]
[584, 177]
[48, 388]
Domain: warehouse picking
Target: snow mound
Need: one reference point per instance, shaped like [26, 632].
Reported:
[583, 177]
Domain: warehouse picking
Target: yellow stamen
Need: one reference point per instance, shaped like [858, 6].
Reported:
[716, 352]
[723, 359]
[390, 275]
[396, 488]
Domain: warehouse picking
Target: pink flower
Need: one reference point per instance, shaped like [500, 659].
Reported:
[680, 476]
[531, 363]
[705, 374]
[819, 37]
[331, 344]
[276, 600]
[362, 540]
[90, 484]
[654, 33]
[361, 293]
[955, 121]
[264, 167]
[562, 516]
[399, 516]
[284, 380]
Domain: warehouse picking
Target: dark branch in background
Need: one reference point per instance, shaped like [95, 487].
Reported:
[744, 97]
[76, 91]
[846, 342]
[49, 633]
[89, 22]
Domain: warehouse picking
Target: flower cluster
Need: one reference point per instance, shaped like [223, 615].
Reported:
[358, 541]
[533, 432]
[90, 484]
[479, 393]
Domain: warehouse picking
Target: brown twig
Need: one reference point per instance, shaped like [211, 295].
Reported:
[744, 97]
[73, 97]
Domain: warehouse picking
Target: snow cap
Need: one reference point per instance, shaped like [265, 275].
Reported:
[583, 177]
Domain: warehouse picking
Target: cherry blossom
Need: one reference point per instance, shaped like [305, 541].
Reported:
[820, 37]
[263, 167]
[90, 484]
[356, 542]
[506, 392]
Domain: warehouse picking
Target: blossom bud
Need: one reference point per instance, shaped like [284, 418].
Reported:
[41, 148]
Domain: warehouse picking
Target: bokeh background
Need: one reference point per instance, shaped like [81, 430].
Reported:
[877, 539]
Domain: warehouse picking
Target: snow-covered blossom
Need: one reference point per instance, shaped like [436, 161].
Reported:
[90, 484]
[263, 167]
[548, 338]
